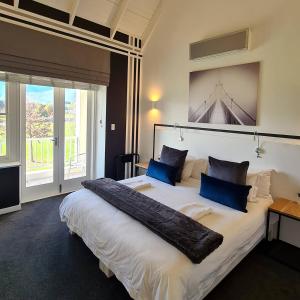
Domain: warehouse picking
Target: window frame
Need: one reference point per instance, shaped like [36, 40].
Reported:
[6, 113]
[12, 114]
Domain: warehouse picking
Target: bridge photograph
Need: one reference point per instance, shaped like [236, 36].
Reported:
[225, 95]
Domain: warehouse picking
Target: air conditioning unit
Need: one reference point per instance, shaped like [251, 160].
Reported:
[235, 41]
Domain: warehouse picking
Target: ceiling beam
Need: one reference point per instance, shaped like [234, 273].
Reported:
[117, 17]
[151, 25]
[73, 11]
[16, 3]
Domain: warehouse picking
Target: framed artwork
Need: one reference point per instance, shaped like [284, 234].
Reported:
[225, 95]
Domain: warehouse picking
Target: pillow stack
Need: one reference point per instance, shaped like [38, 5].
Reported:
[170, 167]
[226, 183]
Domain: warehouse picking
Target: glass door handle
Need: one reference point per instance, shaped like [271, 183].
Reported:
[55, 140]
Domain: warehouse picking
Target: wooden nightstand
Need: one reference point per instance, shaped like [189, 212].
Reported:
[141, 165]
[283, 207]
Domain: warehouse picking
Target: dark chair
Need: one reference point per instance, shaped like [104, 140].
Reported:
[121, 161]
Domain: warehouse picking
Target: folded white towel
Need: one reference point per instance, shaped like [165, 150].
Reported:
[194, 210]
[137, 184]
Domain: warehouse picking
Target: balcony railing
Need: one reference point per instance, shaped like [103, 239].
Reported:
[40, 158]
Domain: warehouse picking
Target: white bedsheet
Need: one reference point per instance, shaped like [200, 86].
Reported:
[149, 267]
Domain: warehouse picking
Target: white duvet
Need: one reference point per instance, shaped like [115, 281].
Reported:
[149, 267]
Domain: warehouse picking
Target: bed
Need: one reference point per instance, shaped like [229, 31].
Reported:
[149, 267]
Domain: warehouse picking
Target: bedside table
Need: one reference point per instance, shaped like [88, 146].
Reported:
[283, 207]
[141, 165]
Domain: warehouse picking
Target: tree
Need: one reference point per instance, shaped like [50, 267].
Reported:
[39, 122]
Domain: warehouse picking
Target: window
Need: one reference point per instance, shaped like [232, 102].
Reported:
[9, 122]
[3, 119]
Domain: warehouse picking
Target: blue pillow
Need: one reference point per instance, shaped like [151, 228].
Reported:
[162, 172]
[223, 192]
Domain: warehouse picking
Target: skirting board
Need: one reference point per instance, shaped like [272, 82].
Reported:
[10, 209]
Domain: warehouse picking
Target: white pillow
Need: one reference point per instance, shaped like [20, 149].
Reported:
[262, 181]
[252, 180]
[200, 166]
[187, 169]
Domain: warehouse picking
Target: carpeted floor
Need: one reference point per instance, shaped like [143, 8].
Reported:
[40, 260]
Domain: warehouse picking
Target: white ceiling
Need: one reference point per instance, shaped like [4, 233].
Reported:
[134, 20]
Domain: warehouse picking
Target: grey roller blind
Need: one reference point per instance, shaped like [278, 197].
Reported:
[31, 52]
[47, 81]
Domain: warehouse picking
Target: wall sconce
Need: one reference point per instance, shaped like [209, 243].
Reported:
[154, 104]
[155, 95]
[181, 138]
[259, 150]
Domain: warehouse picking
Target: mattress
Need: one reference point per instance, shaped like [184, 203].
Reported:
[149, 267]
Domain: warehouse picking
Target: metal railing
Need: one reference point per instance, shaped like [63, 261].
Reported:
[40, 154]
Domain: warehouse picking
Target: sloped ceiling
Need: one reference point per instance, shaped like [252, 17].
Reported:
[135, 17]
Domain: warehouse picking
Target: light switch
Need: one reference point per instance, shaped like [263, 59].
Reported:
[113, 127]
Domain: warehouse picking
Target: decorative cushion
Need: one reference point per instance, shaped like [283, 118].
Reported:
[263, 183]
[175, 158]
[187, 169]
[200, 166]
[252, 180]
[224, 192]
[228, 171]
[162, 172]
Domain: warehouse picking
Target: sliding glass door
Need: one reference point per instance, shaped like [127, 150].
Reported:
[55, 140]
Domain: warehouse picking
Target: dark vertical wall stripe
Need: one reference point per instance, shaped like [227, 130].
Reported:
[138, 106]
[133, 111]
[44, 10]
[116, 114]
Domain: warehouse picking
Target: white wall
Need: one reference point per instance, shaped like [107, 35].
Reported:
[275, 42]
[100, 132]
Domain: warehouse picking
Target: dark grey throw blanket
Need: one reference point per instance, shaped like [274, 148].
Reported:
[190, 237]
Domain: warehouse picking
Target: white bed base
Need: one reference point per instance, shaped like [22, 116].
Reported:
[232, 265]
[108, 273]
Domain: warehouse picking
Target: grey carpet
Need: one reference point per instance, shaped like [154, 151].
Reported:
[40, 260]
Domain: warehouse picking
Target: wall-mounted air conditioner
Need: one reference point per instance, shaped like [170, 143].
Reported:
[235, 41]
